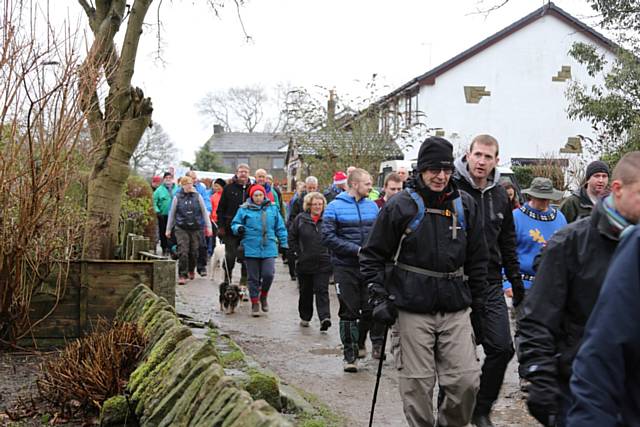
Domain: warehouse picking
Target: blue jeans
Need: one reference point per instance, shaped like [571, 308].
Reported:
[260, 272]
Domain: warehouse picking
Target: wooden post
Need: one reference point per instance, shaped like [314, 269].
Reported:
[83, 296]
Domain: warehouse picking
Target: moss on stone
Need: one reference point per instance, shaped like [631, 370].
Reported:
[115, 411]
[265, 387]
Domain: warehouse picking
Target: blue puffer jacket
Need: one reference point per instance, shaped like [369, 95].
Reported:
[345, 227]
[264, 228]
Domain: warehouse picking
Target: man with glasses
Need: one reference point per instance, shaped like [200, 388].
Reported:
[477, 175]
[434, 289]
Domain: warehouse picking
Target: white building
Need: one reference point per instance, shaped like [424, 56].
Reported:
[511, 85]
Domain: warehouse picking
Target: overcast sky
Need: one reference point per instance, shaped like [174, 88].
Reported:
[332, 43]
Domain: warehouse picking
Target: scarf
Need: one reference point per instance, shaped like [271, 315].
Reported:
[549, 215]
[315, 218]
[617, 221]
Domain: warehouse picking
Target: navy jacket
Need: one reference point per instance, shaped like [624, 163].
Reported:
[606, 379]
[345, 227]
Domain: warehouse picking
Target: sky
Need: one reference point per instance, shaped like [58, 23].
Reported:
[329, 43]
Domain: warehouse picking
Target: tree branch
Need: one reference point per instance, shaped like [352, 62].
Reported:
[130, 45]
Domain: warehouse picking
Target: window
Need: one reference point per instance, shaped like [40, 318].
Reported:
[229, 163]
[244, 160]
[277, 163]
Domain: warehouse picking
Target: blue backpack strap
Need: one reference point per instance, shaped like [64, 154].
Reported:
[457, 205]
[420, 215]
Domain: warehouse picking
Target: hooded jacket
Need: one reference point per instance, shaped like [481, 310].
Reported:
[497, 221]
[264, 229]
[431, 246]
[577, 206]
[305, 240]
[234, 194]
[571, 269]
[345, 227]
[606, 380]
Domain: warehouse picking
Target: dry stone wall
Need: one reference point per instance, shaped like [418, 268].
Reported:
[180, 381]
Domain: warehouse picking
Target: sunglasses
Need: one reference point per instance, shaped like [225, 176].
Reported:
[436, 171]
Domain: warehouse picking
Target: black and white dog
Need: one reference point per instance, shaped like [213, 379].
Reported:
[229, 297]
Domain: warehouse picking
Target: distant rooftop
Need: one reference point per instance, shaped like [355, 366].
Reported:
[243, 142]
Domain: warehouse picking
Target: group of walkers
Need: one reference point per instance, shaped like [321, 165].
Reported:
[430, 261]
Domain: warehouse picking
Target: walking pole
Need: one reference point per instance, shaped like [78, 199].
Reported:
[375, 390]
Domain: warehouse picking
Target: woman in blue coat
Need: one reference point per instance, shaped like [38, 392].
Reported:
[262, 229]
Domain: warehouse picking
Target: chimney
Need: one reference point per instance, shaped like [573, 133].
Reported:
[218, 129]
[331, 108]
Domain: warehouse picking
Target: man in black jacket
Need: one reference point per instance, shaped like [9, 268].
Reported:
[572, 269]
[437, 280]
[476, 174]
[234, 194]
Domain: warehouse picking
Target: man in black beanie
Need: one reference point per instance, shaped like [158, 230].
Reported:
[433, 295]
[581, 202]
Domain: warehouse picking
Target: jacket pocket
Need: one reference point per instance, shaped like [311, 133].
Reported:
[396, 351]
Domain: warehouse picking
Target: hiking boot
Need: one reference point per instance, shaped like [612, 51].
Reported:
[376, 352]
[304, 323]
[202, 272]
[479, 420]
[362, 352]
[264, 304]
[255, 309]
[192, 275]
[324, 325]
[350, 366]
[182, 280]
[293, 277]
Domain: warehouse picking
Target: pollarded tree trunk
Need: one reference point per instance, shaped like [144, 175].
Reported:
[118, 129]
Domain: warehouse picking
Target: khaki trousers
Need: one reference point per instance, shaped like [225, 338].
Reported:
[430, 346]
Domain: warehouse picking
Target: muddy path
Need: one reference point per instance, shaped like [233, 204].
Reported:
[312, 361]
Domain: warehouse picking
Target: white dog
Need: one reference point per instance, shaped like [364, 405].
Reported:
[217, 260]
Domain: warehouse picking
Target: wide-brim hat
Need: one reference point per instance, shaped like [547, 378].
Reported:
[542, 188]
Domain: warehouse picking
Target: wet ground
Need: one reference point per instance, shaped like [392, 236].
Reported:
[312, 361]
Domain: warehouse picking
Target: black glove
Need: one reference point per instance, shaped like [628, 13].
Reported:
[477, 323]
[377, 293]
[240, 231]
[385, 311]
[517, 287]
[542, 403]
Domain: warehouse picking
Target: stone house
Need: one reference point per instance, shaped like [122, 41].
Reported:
[260, 150]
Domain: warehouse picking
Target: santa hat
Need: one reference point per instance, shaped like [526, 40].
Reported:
[340, 178]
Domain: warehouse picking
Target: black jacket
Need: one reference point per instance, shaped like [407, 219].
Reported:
[577, 206]
[569, 276]
[296, 208]
[233, 195]
[497, 217]
[305, 240]
[431, 246]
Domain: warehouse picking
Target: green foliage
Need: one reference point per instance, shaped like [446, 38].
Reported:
[206, 160]
[614, 107]
[524, 176]
[137, 205]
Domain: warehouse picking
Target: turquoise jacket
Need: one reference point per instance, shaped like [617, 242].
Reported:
[264, 228]
[162, 198]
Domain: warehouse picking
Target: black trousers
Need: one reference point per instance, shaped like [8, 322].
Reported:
[203, 252]
[498, 348]
[354, 304]
[162, 229]
[231, 244]
[316, 284]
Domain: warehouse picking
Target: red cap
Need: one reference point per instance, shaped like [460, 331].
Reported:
[156, 179]
[257, 187]
[340, 178]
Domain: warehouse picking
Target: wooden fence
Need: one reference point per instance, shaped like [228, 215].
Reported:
[94, 289]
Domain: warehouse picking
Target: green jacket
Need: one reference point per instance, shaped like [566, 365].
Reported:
[577, 206]
[162, 200]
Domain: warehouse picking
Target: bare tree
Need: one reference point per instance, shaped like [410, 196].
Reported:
[154, 152]
[235, 108]
[40, 129]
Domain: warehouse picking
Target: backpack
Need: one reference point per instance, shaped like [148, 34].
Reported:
[188, 211]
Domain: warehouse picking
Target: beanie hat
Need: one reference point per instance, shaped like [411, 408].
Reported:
[435, 152]
[595, 167]
[156, 179]
[340, 178]
[221, 182]
[257, 187]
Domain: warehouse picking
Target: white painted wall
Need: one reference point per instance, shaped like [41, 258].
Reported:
[526, 111]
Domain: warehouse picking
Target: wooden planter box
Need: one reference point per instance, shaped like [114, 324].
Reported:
[95, 289]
